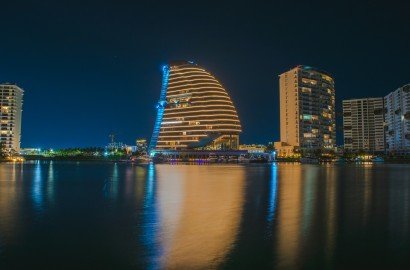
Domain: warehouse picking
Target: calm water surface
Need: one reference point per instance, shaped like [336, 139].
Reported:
[70, 215]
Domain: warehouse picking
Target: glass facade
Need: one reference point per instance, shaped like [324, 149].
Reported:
[194, 111]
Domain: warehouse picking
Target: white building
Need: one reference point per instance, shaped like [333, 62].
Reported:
[30, 151]
[363, 124]
[397, 119]
[11, 103]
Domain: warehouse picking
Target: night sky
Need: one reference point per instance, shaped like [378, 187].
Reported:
[93, 67]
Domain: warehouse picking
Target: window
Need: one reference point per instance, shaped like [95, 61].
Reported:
[307, 117]
[309, 81]
[308, 135]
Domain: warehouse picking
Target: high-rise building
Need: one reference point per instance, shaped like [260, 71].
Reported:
[194, 111]
[307, 109]
[397, 119]
[363, 124]
[11, 103]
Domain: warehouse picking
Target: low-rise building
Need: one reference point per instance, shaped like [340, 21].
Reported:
[112, 146]
[141, 145]
[31, 151]
[284, 149]
[253, 148]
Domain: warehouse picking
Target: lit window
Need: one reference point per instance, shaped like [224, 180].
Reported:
[307, 117]
[309, 81]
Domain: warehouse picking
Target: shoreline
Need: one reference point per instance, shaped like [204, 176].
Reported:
[125, 161]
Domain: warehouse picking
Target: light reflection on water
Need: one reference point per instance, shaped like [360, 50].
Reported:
[282, 216]
[50, 182]
[289, 216]
[149, 237]
[273, 193]
[37, 189]
[199, 223]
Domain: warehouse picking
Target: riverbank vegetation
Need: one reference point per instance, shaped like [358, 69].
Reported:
[86, 154]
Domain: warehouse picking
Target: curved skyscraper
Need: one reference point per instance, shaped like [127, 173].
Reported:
[194, 112]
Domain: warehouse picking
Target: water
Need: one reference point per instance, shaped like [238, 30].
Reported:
[70, 215]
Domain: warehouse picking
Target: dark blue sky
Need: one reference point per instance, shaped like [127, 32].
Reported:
[93, 67]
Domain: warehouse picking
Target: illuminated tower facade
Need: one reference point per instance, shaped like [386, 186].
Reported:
[11, 103]
[194, 111]
[307, 109]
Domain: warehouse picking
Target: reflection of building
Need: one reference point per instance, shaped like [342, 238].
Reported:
[194, 111]
[307, 108]
[397, 118]
[9, 203]
[289, 215]
[253, 148]
[307, 214]
[363, 121]
[189, 237]
[11, 103]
